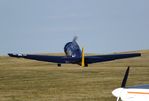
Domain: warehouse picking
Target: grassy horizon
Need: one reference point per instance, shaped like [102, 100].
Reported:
[29, 80]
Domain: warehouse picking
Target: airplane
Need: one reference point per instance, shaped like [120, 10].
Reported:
[132, 93]
[74, 55]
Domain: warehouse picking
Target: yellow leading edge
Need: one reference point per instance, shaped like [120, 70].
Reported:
[83, 60]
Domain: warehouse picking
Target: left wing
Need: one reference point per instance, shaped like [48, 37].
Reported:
[103, 58]
[46, 58]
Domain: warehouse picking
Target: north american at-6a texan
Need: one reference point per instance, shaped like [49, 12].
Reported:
[74, 55]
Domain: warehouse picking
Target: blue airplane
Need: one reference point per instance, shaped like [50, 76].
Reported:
[74, 55]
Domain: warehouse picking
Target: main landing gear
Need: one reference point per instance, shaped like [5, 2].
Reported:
[59, 65]
[86, 65]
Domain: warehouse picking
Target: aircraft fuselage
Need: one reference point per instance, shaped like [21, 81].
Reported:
[72, 49]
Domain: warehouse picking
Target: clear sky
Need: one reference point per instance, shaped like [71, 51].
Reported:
[102, 26]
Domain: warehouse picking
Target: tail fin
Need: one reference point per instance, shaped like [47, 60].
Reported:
[83, 60]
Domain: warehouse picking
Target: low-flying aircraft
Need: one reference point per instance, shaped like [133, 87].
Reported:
[74, 55]
[133, 93]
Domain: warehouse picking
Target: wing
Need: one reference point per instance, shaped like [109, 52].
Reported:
[46, 58]
[103, 58]
[144, 86]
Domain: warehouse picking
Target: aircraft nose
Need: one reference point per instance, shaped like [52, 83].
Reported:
[117, 92]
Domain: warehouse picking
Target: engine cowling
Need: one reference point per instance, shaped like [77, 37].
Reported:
[72, 49]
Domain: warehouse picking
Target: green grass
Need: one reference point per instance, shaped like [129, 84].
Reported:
[27, 80]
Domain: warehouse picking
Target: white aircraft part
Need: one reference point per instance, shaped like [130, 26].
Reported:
[131, 94]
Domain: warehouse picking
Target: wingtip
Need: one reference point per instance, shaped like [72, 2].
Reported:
[15, 55]
[139, 54]
[10, 54]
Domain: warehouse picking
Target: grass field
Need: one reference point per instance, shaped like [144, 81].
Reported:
[27, 80]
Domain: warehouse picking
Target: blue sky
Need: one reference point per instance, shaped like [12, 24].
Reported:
[102, 26]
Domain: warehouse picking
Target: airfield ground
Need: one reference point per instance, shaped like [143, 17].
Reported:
[28, 80]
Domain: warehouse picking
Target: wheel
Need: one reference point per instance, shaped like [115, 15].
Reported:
[86, 65]
[59, 65]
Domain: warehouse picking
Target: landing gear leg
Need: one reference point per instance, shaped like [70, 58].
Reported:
[59, 65]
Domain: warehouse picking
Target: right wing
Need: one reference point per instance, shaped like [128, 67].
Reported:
[110, 57]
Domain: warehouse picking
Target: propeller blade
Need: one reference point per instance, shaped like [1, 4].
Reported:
[117, 98]
[125, 78]
[75, 38]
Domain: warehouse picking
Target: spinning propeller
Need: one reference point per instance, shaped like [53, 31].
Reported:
[75, 38]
